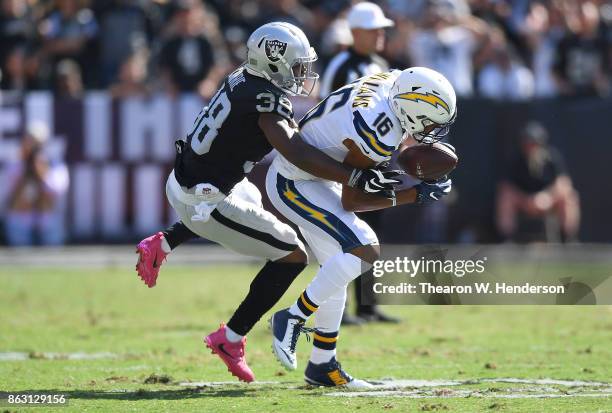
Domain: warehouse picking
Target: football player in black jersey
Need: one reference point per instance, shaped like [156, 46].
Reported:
[248, 116]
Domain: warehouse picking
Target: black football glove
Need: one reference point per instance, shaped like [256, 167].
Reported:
[372, 181]
[433, 191]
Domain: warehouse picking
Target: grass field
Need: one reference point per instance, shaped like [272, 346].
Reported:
[144, 344]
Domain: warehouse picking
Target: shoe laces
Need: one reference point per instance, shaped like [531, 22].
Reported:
[299, 328]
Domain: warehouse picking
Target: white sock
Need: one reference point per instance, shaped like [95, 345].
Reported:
[332, 278]
[319, 355]
[295, 310]
[231, 335]
[303, 307]
[329, 314]
[165, 246]
[334, 275]
[327, 319]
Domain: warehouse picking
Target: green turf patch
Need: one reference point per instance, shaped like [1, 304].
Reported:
[111, 344]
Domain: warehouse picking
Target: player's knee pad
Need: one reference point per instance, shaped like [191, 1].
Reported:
[335, 274]
[346, 266]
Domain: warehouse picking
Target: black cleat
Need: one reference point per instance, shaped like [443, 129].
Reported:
[330, 374]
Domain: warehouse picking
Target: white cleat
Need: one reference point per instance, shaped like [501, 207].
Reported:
[286, 329]
[358, 384]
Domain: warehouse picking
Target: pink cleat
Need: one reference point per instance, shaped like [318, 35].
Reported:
[151, 257]
[232, 354]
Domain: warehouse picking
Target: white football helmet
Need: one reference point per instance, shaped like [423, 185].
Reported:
[281, 53]
[424, 101]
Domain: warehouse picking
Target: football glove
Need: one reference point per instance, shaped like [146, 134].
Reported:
[433, 191]
[372, 181]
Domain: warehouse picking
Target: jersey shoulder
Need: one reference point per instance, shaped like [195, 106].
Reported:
[377, 131]
[258, 95]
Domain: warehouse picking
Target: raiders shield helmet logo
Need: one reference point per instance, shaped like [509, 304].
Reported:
[275, 49]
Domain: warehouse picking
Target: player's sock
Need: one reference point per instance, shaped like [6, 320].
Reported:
[266, 289]
[327, 323]
[303, 307]
[324, 346]
[231, 335]
[333, 277]
[329, 315]
[165, 246]
[175, 235]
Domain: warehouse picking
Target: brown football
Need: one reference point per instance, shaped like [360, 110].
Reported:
[428, 162]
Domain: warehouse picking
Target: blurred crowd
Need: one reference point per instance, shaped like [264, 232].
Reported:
[509, 50]
[499, 49]
[36, 186]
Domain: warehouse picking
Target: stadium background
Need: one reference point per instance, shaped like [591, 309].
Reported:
[116, 97]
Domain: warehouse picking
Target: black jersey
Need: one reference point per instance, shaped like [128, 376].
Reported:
[226, 140]
[348, 66]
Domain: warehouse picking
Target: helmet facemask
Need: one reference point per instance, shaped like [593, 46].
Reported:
[431, 135]
[301, 72]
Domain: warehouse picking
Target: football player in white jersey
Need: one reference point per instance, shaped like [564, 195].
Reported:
[360, 124]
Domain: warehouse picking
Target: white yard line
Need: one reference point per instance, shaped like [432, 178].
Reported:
[569, 383]
[418, 389]
[403, 383]
[431, 389]
[388, 384]
[538, 388]
[227, 383]
[21, 356]
[462, 394]
[13, 356]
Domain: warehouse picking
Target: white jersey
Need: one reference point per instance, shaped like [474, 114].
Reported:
[358, 111]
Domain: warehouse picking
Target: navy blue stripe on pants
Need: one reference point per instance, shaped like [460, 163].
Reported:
[322, 218]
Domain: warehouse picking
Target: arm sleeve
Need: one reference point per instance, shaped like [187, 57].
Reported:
[367, 140]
